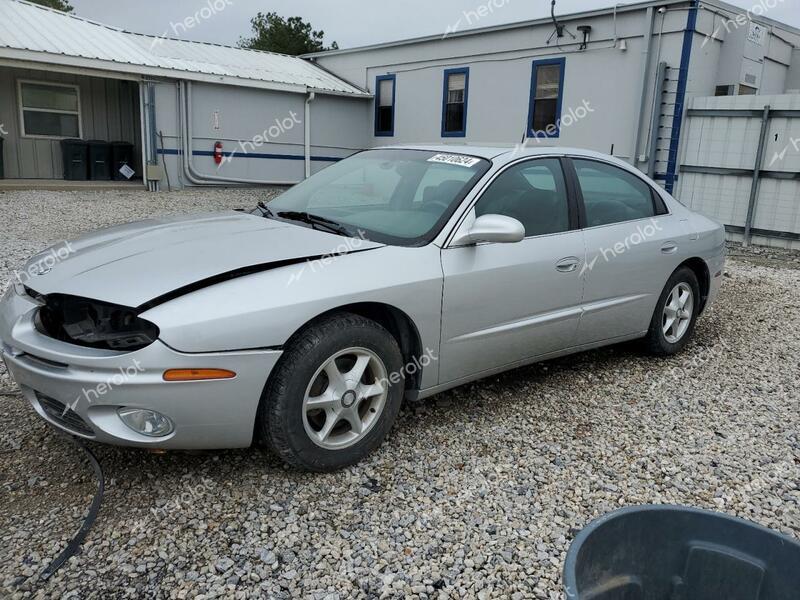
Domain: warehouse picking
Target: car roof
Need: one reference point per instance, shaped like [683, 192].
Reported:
[529, 148]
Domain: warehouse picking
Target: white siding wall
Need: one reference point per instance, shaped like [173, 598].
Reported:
[235, 116]
[607, 79]
[604, 78]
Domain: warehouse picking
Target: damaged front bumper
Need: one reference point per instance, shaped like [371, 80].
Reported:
[80, 389]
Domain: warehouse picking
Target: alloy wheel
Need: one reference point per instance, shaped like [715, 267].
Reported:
[345, 398]
[678, 313]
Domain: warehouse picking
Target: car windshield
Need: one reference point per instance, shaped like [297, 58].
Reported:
[399, 197]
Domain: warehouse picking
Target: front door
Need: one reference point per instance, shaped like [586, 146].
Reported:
[505, 303]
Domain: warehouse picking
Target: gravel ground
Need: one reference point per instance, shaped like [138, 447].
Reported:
[478, 491]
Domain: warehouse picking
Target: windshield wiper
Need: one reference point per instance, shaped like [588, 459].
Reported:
[268, 214]
[316, 221]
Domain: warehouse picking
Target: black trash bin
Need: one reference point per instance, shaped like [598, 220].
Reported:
[99, 160]
[76, 159]
[121, 155]
[678, 553]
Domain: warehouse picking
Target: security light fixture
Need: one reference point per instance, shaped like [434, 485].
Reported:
[585, 30]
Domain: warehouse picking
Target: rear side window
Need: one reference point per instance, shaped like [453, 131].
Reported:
[612, 195]
[534, 193]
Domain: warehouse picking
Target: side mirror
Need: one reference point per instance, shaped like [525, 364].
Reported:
[497, 229]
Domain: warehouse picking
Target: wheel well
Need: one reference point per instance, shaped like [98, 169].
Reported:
[396, 322]
[700, 268]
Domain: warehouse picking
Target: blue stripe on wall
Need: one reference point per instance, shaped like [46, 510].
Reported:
[680, 98]
[175, 152]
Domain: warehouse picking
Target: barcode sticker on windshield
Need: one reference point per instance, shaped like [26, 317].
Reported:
[455, 159]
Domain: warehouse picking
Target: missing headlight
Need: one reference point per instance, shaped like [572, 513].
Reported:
[94, 324]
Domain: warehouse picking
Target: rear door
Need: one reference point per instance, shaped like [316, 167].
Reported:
[505, 303]
[631, 248]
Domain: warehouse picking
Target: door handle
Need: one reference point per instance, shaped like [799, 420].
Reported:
[568, 265]
[669, 248]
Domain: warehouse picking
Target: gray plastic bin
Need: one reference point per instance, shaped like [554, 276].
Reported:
[76, 159]
[99, 160]
[678, 553]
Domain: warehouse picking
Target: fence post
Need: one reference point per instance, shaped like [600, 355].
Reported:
[754, 186]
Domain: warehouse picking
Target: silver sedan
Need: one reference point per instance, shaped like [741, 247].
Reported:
[396, 273]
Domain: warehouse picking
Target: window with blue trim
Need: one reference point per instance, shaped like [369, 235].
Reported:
[454, 102]
[385, 94]
[547, 91]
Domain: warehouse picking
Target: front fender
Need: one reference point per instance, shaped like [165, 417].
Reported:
[264, 310]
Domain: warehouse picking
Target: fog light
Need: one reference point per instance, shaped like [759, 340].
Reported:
[146, 422]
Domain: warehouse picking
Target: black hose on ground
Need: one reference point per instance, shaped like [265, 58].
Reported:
[74, 546]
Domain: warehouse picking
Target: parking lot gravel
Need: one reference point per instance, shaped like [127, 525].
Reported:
[478, 492]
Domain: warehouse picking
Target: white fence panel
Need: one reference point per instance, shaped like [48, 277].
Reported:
[721, 145]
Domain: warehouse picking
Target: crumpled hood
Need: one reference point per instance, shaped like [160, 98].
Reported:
[133, 264]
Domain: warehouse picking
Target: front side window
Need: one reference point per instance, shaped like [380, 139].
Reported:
[454, 103]
[384, 105]
[400, 197]
[612, 195]
[547, 87]
[49, 110]
[534, 193]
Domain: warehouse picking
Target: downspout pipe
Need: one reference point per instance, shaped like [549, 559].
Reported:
[186, 150]
[151, 104]
[143, 134]
[185, 145]
[311, 97]
[146, 99]
[191, 174]
[645, 78]
[150, 142]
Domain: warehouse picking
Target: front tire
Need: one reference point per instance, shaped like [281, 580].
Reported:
[675, 316]
[334, 395]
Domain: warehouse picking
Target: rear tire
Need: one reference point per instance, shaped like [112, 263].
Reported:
[332, 397]
[675, 316]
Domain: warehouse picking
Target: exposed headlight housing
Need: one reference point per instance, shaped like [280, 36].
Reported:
[146, 422]
[95, 324]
